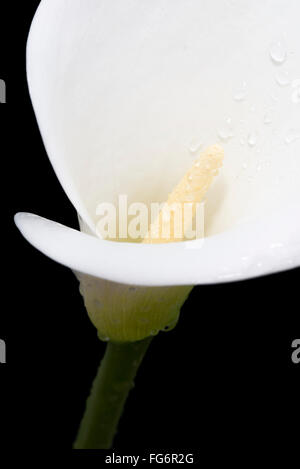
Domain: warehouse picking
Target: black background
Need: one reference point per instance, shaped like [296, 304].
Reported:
[222, 380]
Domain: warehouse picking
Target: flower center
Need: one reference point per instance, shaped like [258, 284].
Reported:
[180, 218]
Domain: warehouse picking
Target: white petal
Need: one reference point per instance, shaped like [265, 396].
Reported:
[270, 244]
[122, 87]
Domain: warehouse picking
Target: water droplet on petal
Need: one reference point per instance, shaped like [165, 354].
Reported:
[226, 131]
[282, 78]
[170, 326]
[104, 338]
[194, 146]
[296, 96]
[292, 135]
[278, 51]
[225, 134]
[267, 119]
[276, 245]
[252, 139]
[241, 92]
[296, 83]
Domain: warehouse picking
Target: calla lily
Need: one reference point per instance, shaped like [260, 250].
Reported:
[125, 94]
[121, 91]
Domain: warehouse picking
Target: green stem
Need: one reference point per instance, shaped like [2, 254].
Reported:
[109, 392]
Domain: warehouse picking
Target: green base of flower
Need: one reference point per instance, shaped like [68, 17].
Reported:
[109, 392]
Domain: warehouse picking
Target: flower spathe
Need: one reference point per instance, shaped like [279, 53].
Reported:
[120, 90]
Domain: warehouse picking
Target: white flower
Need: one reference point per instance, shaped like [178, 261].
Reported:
[119, 88]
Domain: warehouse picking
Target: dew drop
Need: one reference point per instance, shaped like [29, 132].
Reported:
[252, 139]
[296, 96]
[296, 83]
[276, 245]
[194, 146]
[104, 338]
[241, 92]
[267, 119]
[292, 135]
[225, 134]
[277, 52]
[282, 78]
[245, 258]
[228, 276]
[154, 332]
[170, 326]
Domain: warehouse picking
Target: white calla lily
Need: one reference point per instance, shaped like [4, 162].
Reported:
[124, 93]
